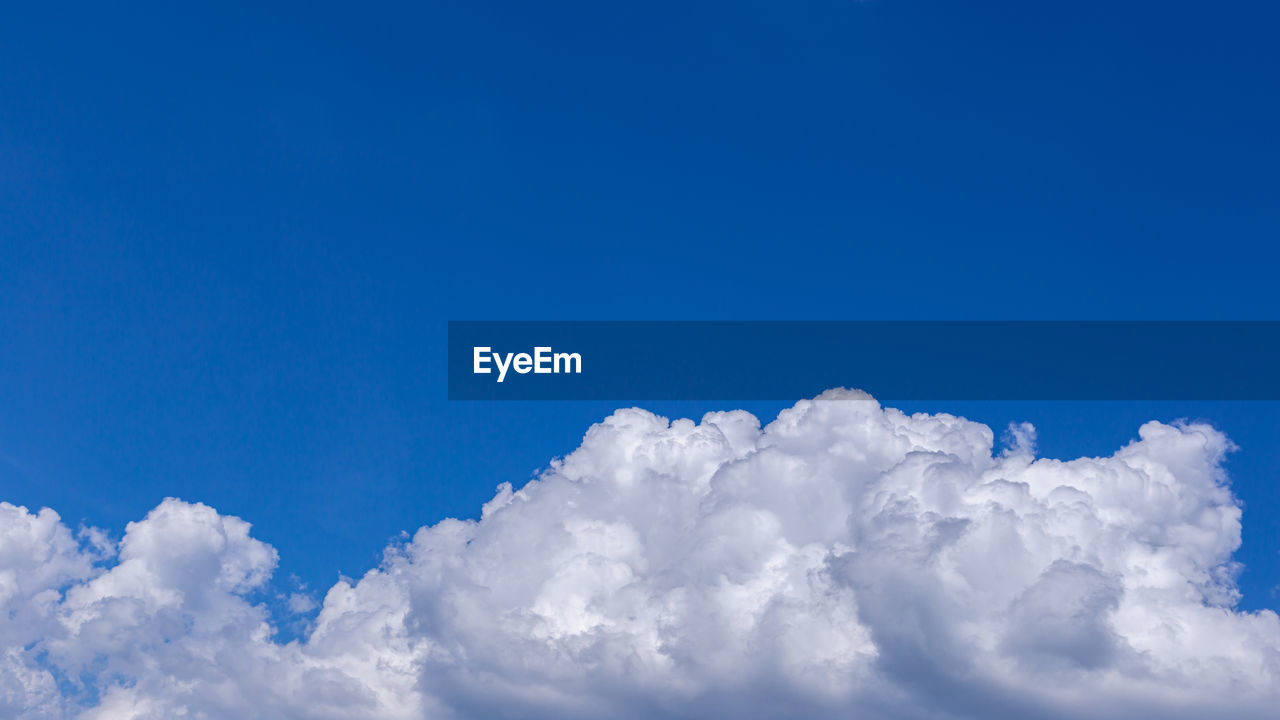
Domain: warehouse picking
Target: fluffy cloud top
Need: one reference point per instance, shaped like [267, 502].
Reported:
[847, 560]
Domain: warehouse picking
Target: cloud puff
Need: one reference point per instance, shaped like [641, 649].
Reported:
[846, 560]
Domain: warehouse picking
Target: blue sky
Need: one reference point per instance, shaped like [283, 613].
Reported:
[230, 238]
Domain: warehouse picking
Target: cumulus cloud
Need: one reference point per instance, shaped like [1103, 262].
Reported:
[847, 560]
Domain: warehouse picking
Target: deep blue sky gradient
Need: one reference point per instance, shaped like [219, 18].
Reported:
[230, 237]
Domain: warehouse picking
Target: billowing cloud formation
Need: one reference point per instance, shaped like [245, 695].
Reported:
[845, 561]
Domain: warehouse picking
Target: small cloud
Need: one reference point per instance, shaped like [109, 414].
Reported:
[1019, 439]
[301, 603]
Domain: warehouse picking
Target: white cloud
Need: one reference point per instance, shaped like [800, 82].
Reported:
[301, 603]
[846, 560]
